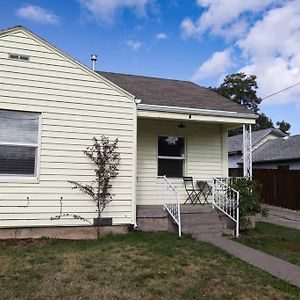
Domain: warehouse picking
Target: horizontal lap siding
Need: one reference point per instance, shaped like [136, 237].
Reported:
[75, 106]
[203, 156]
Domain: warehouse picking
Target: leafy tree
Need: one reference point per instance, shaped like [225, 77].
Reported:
[284, 126]
[240, 88]
[263, 122]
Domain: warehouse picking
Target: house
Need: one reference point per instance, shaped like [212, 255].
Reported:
[281, 153]
[51, 106]
[259, 137]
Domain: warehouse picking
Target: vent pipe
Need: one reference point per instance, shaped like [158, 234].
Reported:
[94, 60]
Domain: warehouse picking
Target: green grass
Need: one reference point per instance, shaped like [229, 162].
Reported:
[276, 240]
[133, 266]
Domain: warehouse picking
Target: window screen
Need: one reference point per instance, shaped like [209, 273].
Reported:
[171, 156]
[18, 143]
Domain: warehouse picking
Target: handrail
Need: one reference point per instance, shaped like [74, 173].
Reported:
[226, 199]
[171, 202]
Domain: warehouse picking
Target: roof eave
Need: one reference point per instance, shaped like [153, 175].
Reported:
[198, 111]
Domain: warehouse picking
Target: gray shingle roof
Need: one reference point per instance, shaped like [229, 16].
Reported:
[170, 92]
[278, 149]
[235, 143]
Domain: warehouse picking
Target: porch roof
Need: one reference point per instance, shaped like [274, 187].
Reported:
[174, 93]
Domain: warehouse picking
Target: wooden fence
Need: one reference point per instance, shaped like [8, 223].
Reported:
[279, 187]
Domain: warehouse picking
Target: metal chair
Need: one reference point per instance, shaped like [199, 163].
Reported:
[205, 190]
[193, 194]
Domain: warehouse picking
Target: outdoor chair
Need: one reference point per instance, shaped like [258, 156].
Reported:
[192, 193]
[205, 190]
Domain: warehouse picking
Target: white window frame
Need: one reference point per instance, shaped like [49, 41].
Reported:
[183, 158]
[26, 178]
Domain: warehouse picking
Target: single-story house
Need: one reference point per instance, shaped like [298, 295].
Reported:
[259, 137]
[281, 153]
[51, 106]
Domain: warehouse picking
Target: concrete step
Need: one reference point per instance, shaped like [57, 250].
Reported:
[201, 227]
[200, 218]
[193, 209]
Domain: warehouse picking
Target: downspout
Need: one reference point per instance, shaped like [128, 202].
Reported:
[134, 160]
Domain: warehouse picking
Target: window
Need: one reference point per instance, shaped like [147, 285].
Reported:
[171, 156]
[18, 143]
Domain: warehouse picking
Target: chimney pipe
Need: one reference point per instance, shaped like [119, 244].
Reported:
[94, 60]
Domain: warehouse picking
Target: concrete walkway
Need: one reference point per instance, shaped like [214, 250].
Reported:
[282, 217]
[273, 265]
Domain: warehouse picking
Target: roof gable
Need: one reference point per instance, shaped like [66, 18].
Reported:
[24, 31]
[278, 149]
[235, 143]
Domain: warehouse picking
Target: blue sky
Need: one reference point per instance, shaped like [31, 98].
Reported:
[198, 40]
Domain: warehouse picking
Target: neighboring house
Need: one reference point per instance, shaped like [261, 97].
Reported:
[281, 153]
[259, 137]
[51, 106]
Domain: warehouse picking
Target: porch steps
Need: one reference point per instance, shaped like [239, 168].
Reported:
[196, 220]
[201, 220]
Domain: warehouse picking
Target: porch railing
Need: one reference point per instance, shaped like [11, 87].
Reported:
[226, 199]
[171, 202]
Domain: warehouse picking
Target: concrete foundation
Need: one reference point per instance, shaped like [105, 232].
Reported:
[75, 232]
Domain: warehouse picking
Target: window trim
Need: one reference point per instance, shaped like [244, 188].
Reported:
[27, 178]
[183, 158]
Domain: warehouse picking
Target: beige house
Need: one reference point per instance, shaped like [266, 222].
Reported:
[51, 106]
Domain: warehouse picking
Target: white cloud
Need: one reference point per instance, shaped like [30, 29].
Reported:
[272, 50]
[134, 45]
[106, 10]
[221, 17]
[216, 65]
[37, 14]
[265, 38]
[161, 36]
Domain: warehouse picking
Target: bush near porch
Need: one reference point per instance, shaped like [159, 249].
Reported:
[132, 266]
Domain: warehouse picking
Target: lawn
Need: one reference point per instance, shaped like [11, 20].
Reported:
[133, 266]
[276, 240]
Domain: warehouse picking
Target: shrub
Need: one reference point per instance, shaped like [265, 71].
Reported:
[250, 201]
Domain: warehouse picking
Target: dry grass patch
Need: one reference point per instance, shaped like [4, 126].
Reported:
[133, 266]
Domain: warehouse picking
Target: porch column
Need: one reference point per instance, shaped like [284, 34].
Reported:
[247, 151]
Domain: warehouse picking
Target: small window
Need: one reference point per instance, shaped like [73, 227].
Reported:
[19, 57]
[18, 143]
[171, 156]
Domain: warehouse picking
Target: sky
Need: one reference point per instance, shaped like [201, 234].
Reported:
[197, 40]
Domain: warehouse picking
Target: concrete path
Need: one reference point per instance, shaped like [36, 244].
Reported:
[273, 265]
[282, 217]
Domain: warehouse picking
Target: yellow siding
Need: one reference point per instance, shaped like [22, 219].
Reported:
[204, 155]
[75, 106]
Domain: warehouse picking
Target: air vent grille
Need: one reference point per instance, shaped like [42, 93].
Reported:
[19, 57]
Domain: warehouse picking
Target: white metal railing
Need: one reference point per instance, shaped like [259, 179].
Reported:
[171, 202]
[226, 199]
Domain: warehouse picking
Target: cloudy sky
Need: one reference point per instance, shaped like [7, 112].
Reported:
[198, 40]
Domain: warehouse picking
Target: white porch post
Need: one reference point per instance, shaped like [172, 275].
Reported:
[247, 151]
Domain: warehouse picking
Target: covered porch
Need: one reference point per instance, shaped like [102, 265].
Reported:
[172, 146]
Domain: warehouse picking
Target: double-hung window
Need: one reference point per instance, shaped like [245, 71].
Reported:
[19, 144]
[171, 156]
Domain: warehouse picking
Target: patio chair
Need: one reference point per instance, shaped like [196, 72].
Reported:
[193, 194]
[205, 190]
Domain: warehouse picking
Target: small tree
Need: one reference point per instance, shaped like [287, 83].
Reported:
[106, 158]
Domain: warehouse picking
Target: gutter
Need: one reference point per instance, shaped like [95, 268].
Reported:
[197, 111]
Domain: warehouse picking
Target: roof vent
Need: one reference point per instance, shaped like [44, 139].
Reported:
[94, 60]
[19, 57]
